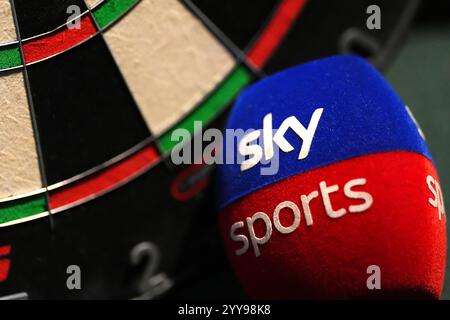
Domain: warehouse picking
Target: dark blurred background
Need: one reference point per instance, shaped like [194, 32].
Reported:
[420, 74]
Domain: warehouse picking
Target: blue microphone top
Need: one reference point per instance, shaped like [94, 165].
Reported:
[325, 111]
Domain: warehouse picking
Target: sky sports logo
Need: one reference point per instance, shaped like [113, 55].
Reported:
[273, 140]
[253, 146]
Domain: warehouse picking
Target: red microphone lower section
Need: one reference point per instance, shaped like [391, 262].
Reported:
[368, 227]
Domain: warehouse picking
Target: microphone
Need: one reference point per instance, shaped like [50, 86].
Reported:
[336, 195]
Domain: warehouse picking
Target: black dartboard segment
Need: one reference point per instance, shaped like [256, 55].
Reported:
[239, 21]
[203, 257]
[84, 111]
[37, 17]
[100, 235]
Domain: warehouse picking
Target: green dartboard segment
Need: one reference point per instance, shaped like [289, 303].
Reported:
[111, 10]
[22, 208]
[9, 57]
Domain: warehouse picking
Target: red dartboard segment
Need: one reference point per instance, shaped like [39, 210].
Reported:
[193, 189]
[4, 269]
[103, 181]
[60, 41]
[5, 250]
[4, 263]
[273, 34]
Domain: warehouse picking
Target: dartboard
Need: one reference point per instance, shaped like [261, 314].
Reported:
[91, 92]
